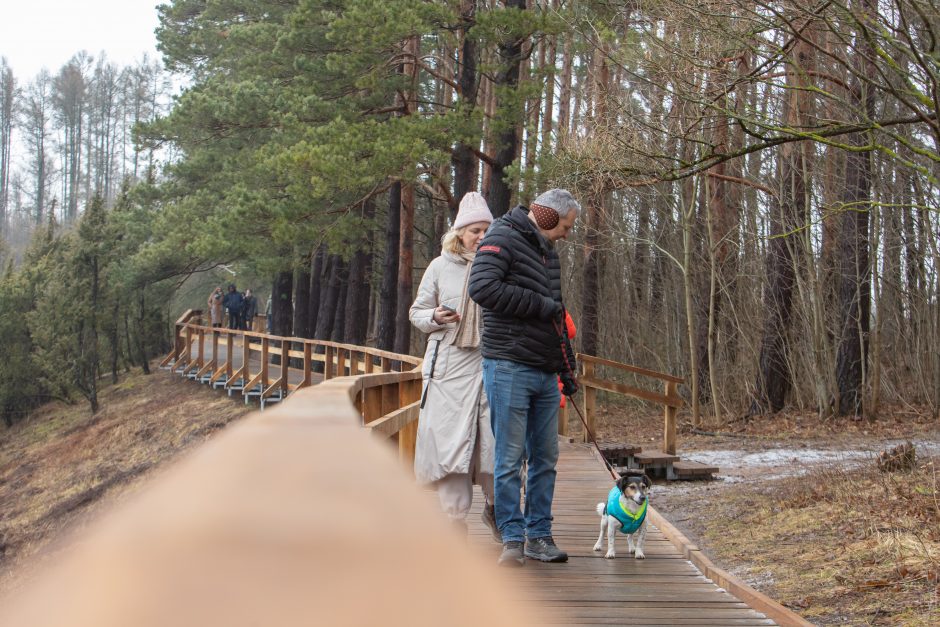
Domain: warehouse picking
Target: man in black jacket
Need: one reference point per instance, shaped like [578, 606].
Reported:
[233, 303]
[516, 279]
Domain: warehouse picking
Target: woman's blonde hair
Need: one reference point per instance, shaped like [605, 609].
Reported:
[451, 241]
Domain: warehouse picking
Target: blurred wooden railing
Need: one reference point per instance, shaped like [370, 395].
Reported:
[591, 383]
[283, 518]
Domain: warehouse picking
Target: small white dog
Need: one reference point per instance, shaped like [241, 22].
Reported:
[625, 509]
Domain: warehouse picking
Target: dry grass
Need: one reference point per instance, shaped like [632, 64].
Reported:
[840, 547]
[62, 463]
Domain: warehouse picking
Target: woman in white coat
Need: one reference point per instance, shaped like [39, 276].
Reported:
[455, 440]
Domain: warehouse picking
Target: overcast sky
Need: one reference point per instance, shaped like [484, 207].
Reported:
[46, 33]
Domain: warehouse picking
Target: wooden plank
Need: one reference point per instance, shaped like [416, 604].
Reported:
[229, 355]
[635, 369]
[308, 365]
[341, 356]
[217, 374]
[271, 389]
[622, 388]
[693, 469]
[371, 404]
[663, 589]
[654, 457]
[255, 380]
[328, 371]
[387, 426]
[238, 374]
[265, 356]
[285, 375]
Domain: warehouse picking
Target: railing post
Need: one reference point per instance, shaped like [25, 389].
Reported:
[563, 419]
[178, 344]
[265, 345]
[409, 391]
[328, 363]
[189, 348]
[246, 358]
[590, 398]
[201, 360]
[341, 354]
[669, 428]
[229, 355]
[308, 365]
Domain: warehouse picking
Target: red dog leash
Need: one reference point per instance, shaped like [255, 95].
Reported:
[564, 355]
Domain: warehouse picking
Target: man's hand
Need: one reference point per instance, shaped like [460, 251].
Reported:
[569, 385]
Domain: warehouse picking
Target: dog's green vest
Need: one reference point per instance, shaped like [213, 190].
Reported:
[629, 523]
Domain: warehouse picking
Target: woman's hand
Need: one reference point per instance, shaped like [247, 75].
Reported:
[442, 315]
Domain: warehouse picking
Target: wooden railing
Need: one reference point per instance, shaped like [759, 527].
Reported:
[196, 353]
[384, 387]
[591, 383]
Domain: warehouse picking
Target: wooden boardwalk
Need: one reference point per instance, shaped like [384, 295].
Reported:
[663, 589]
[675, 585]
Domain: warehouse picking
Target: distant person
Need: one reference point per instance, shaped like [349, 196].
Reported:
[454, 448]
[215, 307]
[249, 309]
[267, 314]
[233, 306]
[516, 279]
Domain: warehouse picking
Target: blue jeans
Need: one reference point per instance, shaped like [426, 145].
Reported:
[524, 414]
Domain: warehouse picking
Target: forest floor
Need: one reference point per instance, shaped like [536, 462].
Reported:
[801, 512]
[62, 464]
[799, 509]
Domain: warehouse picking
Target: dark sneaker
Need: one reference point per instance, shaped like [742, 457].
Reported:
[544, 550]
[511, 555]
[489, 519]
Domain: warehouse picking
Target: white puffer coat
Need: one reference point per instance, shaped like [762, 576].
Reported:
[455, 412]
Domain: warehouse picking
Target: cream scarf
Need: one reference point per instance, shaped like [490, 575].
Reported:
[467, 334]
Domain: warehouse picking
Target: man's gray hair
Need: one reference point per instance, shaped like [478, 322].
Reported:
[561, 200]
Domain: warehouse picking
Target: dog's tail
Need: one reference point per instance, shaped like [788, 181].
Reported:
[601, 507]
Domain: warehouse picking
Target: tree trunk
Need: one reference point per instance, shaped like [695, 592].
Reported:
[788, 216]
[141, 343]
[282, 306]
[338, 333]
[507, 78]
[462, 158]
[359, 290]
[405, 271]
[301, 326]
[388, 295]
[855, 277]
[316, 288]
[329, 303]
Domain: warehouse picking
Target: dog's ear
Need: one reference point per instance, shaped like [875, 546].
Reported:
[623, 482]
[647, 482]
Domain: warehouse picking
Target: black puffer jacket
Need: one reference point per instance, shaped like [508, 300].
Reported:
[516, 279]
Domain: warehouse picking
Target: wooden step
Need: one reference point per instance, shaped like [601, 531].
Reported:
[619, 453]
[689, 470]
[657, 458]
